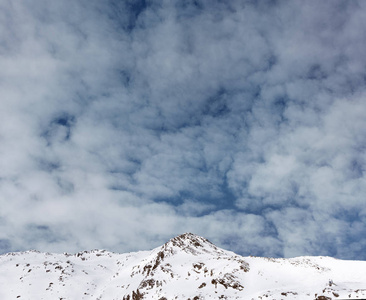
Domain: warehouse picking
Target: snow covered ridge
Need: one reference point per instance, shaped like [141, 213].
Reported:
[186, 267]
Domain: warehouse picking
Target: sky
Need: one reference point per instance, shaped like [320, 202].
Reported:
[126, 123]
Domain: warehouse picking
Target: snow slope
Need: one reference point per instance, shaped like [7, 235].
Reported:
[186, 267]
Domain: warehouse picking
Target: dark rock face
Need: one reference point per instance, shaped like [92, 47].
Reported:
[323, 298]
[135, 296]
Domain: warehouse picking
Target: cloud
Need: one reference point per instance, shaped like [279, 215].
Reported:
[123, 124]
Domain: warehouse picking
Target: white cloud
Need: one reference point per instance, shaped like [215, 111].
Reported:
[234, 121]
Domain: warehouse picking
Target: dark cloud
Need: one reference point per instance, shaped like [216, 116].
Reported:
[123, 123]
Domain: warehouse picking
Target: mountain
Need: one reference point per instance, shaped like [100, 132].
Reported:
[186, 267]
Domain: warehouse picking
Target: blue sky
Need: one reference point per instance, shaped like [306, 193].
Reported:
[125, 123]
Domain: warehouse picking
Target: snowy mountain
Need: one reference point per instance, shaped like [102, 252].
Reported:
[186, 267]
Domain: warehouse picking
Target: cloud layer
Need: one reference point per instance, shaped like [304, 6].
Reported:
[124, 123]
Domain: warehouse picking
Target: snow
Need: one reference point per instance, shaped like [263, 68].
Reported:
[187, 267]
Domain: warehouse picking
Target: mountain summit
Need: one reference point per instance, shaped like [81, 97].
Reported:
[190, 243]
[186, 267]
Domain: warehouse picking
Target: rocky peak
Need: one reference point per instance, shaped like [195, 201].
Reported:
[190, 243]
[186, 244]
[188, 238]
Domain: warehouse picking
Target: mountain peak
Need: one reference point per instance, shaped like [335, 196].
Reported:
[190, 243]
[189, 238]
[186, 246]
